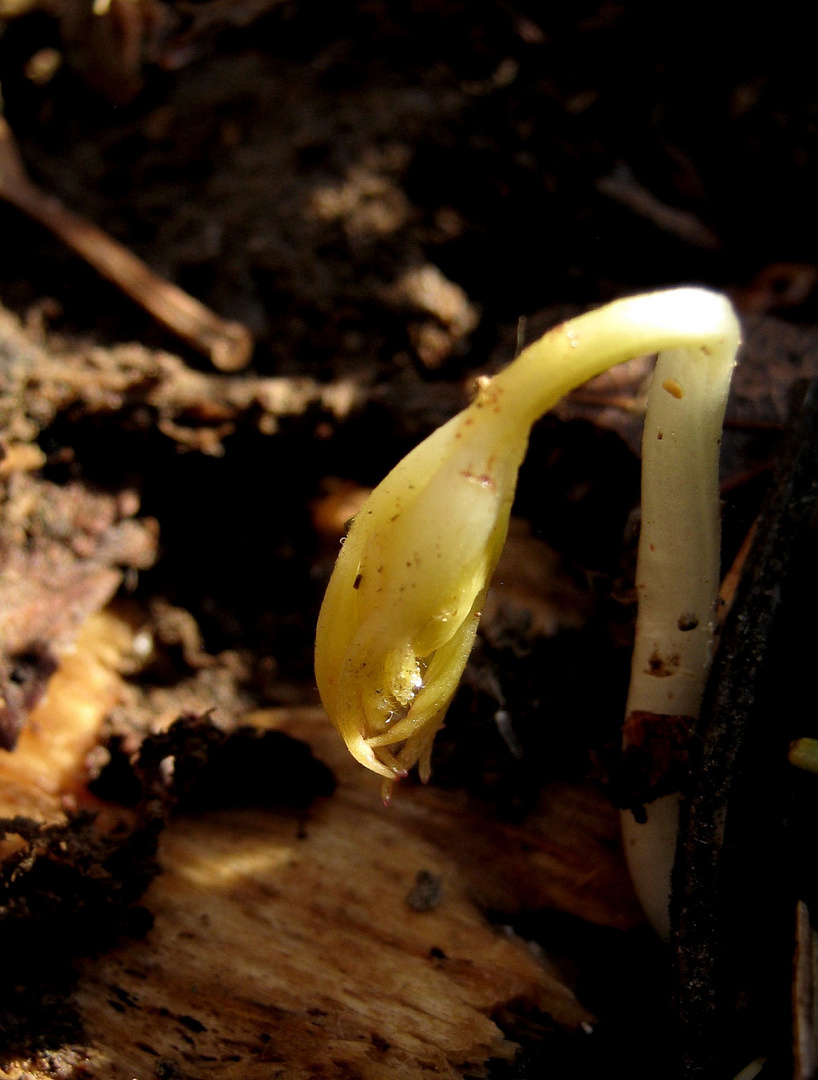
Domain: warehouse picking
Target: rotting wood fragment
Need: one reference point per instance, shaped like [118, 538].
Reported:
[195, 409]
[63, 550]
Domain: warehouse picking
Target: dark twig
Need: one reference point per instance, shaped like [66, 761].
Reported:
[733, 881]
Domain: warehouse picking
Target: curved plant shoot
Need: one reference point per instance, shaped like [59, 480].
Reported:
[401, 610]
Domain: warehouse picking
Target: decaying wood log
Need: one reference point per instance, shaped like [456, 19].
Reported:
[284, 942]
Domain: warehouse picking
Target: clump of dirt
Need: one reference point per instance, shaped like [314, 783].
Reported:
[196, 766]
[66, 890]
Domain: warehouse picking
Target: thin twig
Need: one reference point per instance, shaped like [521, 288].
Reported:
[228, 344]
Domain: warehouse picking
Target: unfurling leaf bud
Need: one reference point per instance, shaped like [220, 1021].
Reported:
[401, 611]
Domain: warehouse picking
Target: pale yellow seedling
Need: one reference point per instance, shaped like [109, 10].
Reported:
[804, 754]
[402, 607]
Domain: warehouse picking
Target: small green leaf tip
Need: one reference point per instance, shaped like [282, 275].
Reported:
[401, 610]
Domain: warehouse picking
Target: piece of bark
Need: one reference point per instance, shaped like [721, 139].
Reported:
[805, 996]
[734, 869]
